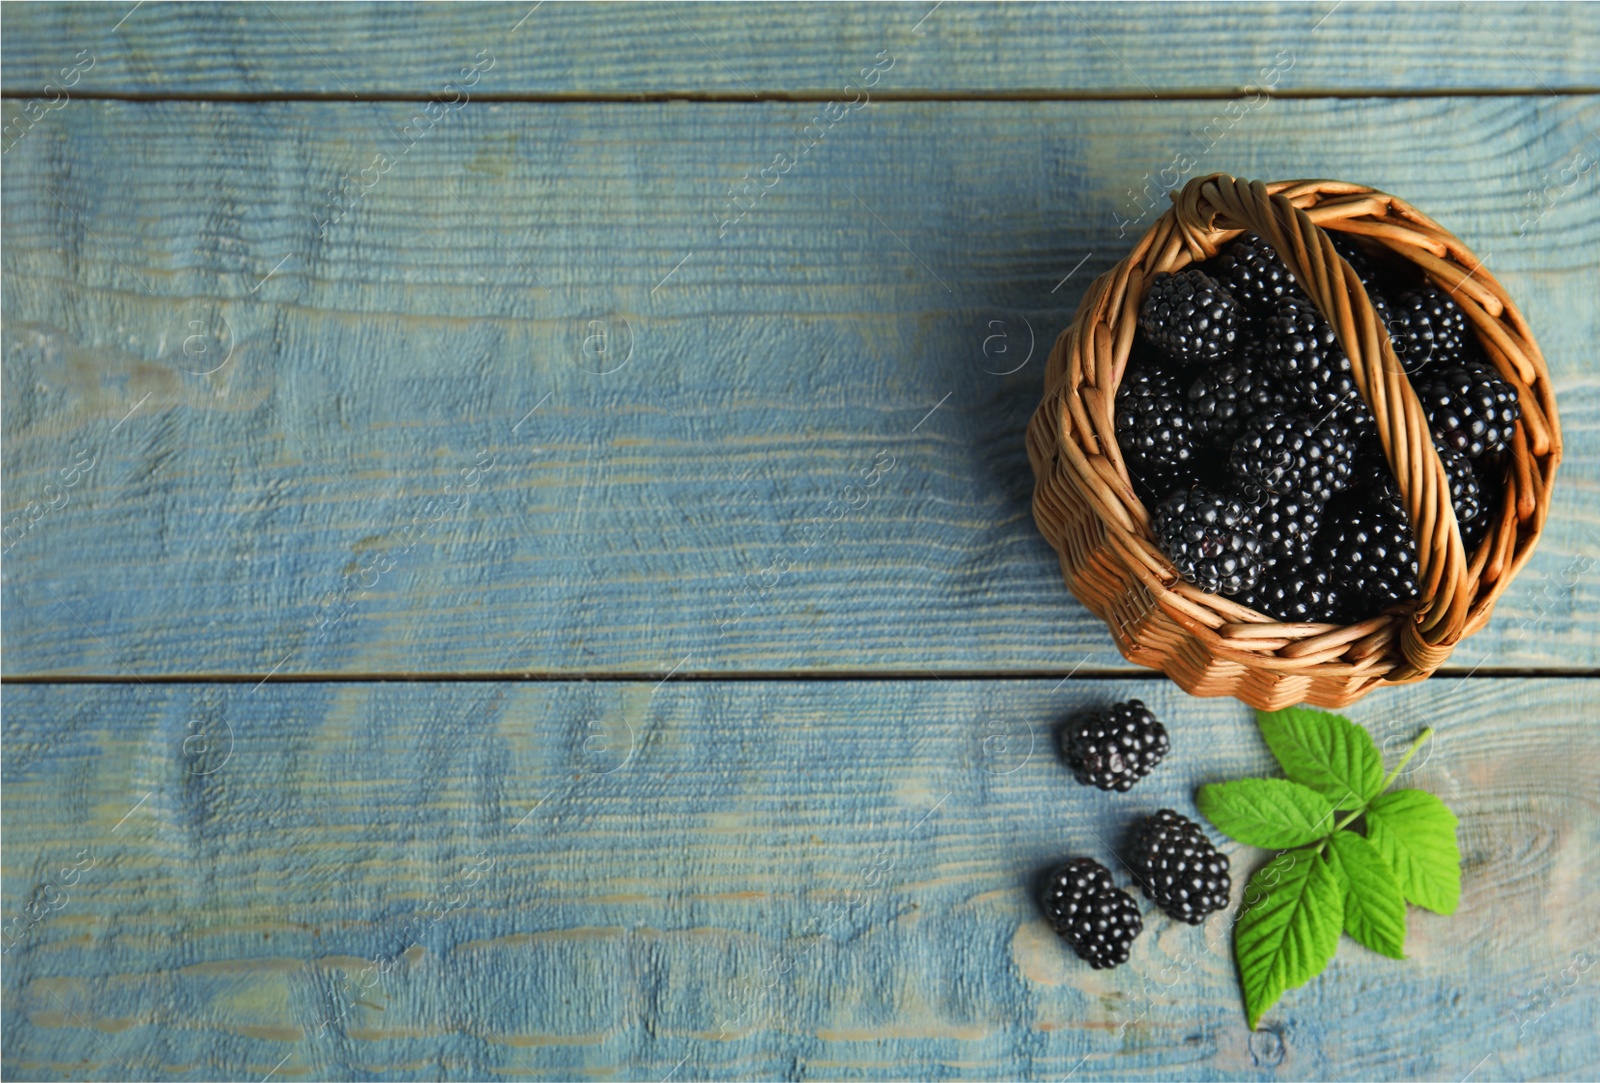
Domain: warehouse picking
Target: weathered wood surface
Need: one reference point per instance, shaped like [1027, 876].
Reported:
[800, 448]
[767, 50]
[865, 847]
[687, 437]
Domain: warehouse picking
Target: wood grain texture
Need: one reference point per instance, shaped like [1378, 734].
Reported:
[803, 449]
[765, 50]
[867, 848]
[558, 393]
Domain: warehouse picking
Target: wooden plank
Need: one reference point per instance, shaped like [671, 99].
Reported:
[729, 879]
[773, 50]
[800, 450]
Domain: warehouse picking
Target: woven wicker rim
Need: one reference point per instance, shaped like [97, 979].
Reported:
[1207, 642]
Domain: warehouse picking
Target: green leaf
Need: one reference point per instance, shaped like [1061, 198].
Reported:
[1288, 928]
[1374, 908]
[1270, 812]
[1327, 752]
[1416, 834]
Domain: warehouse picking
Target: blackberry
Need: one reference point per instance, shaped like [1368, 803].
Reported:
[1473, 533]
[1384, 312]
[1211, 539]
[1356, 416]
[1470, 407]
[1465, 495]
[1490, 473]
[1221, 398]
[1254, 274]
[1358, 259]
[1115, 749]
[1293, 455]
[1474, 492]
[1385, 500]
[1469, 488]
[1070, 885]
[1091, 913]
[1178, 868]
[1370, 461]
[1190, 317]
[1295, 592]
[1372, 553]
[1104, 937]
[1303, 352]
[1287, 526]
[1153, 428]
[1426, 326]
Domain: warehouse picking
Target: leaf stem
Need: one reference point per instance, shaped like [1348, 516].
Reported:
[1412, 751]
[1401, 766]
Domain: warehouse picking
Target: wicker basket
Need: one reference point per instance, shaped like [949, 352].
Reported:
[1085, 504]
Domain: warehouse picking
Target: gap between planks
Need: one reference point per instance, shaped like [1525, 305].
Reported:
[1105, 673]
[761, 97]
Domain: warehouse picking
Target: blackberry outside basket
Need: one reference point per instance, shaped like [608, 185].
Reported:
[1085, 504]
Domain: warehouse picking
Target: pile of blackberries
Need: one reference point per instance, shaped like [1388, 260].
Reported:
[1173, 862]
[1240, 422]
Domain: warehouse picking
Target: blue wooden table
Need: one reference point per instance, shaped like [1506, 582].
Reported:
[518, 558]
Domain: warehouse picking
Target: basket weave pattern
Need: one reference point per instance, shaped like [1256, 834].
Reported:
[1085, 504]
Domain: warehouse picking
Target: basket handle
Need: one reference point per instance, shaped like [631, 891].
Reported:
[1287, 216]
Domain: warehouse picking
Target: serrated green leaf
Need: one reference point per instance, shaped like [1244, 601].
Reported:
[1416, 834]
[1270, 812]
[1374, 908]
[1288, 928]
[1326, 752]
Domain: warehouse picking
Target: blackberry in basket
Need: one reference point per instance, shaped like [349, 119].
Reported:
[1211, 538]
[1471, 408]
[1153, 428]
[1427, 327]
[1190, 317]
[1295, 456]
[1254, 274]
[1371, 552]
[1223, 397]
